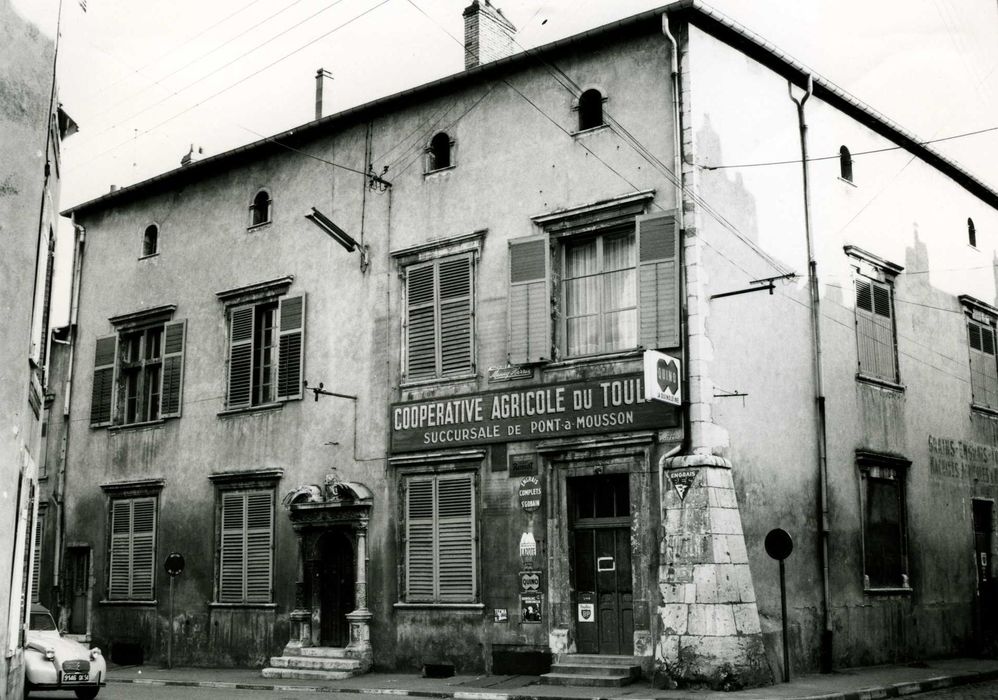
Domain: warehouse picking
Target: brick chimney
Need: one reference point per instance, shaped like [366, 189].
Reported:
[321, 76]
[488, 35]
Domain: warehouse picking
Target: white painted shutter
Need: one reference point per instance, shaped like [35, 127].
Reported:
[291, 352]
[983, 370]
[875, 329]
[143, 548]
[175, 335]
[36, 559]
[658, 281]
[455, 298]
[232, 558]
[421, 335]
[420, 553]
[102, 394]
[119, 570]
[456, 538]
[529, 300]
[259, 546]
[240, 387]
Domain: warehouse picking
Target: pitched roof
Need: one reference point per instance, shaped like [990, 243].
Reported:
[696, 12]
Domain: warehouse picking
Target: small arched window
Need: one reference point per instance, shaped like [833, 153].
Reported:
[260, 208]
[845, 164]
[440, 152]
[150, 240]
[971, 232]
[590, 110]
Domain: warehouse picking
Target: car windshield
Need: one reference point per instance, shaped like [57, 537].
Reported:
[42, 622]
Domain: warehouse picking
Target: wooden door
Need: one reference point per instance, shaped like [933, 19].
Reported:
[77, 582]
[336, 589]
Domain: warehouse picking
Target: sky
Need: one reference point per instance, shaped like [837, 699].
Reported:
[147, 80]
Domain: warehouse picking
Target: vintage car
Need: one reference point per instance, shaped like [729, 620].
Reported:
[54, 662]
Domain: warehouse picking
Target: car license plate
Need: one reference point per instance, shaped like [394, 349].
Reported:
[75, 677]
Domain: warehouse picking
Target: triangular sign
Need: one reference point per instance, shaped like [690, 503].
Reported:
[682, 480]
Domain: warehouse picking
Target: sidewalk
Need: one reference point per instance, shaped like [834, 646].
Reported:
[847, 684]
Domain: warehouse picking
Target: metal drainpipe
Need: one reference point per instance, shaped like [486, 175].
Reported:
[825, 658]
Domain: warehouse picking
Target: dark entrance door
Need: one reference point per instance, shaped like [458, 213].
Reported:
[336, 588]
[77, 582]
[987, 605]
[599, 509]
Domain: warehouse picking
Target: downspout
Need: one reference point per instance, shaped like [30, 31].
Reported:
[825, 657]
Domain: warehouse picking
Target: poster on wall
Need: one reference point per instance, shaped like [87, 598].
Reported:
[500, 615]
[587, 612]
[530, 607]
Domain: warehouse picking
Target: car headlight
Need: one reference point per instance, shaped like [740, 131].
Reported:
[94, 653]
[50, 654]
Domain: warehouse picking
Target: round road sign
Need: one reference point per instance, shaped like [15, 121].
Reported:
[174, 563]
[779, 544]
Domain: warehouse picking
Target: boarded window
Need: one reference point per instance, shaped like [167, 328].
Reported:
[439, 318]
[246, 560]
[133, 549]
[884, 528]
[875, 329]
[266, 352]
[440, 538]
[983, 368]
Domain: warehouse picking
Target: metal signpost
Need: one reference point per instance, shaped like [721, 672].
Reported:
[779, 545]
[174, 565]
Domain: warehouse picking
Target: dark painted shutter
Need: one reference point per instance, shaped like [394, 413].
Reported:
[175, 336]
[143, 547]
[456, 538]
[421, 336]
[529, 300]
[658, 281]
[102, 395]
[232, 558]
[420, 554]
[456, 319]
[240, 357]
[291, 354]
[259, 550]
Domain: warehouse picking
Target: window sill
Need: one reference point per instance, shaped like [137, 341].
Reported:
[261, 408]
[149, 424]
[454, 607]
[242, 606]
[590, 130]
[882, 383]
[129, 603]
[151, 255]
[419, 383]
[984, 410]
[257, 227]
[428, 173]
[897, 590]
[848, 182]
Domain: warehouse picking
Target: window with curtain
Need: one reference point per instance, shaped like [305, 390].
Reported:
[885, 562]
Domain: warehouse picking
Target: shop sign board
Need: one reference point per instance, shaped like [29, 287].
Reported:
[661, 375]
[530, 581]
[587, 612]
[530, 493]
[508, 374]
[585, 407]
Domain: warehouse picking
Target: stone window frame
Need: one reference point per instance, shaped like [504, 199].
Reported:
[885, 467]
[985, 317]
[878, 273]
[131, 490]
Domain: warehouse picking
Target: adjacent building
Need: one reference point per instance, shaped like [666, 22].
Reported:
[400, 418]
[33, 124]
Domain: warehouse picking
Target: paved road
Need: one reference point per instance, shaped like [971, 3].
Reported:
[980, 691]
[130, 691]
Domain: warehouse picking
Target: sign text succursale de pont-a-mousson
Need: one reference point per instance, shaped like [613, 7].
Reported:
[600, 405]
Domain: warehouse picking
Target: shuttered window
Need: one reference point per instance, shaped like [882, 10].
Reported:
[983, 368]
[36, 559]
[875, 329]
[266, 352]
[439, 318]
[616, 289]
[138, 375]
[133, 549]
[246, 558]
[440, 538]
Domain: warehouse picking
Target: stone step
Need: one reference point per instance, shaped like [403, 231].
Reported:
[586, 680]
[595, 669]
[600, 660]
[314, 663]
[325, 652]
[306, 674]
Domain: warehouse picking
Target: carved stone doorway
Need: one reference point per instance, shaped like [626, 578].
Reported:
[335, 589]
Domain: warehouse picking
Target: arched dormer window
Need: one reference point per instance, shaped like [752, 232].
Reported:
[150, 240]
[439, 152]
[590, 110]
[971, 232]
[845, 164]
[260, 208]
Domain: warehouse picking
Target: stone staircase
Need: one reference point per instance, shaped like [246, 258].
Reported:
[314, 663]
[593, 670]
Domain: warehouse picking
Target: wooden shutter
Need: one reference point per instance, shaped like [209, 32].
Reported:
[240, 389]
[420, 555]
[175, 337]
[232, 559]
[456, 316]
[456, 538]
[983, 370]
[658, 281]
[421, 335]
[875, 329]
[36, 559]
[291, 351]
[529, 300]
[102, 394]
[143, 548]
[119, 569]
[259, 549]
